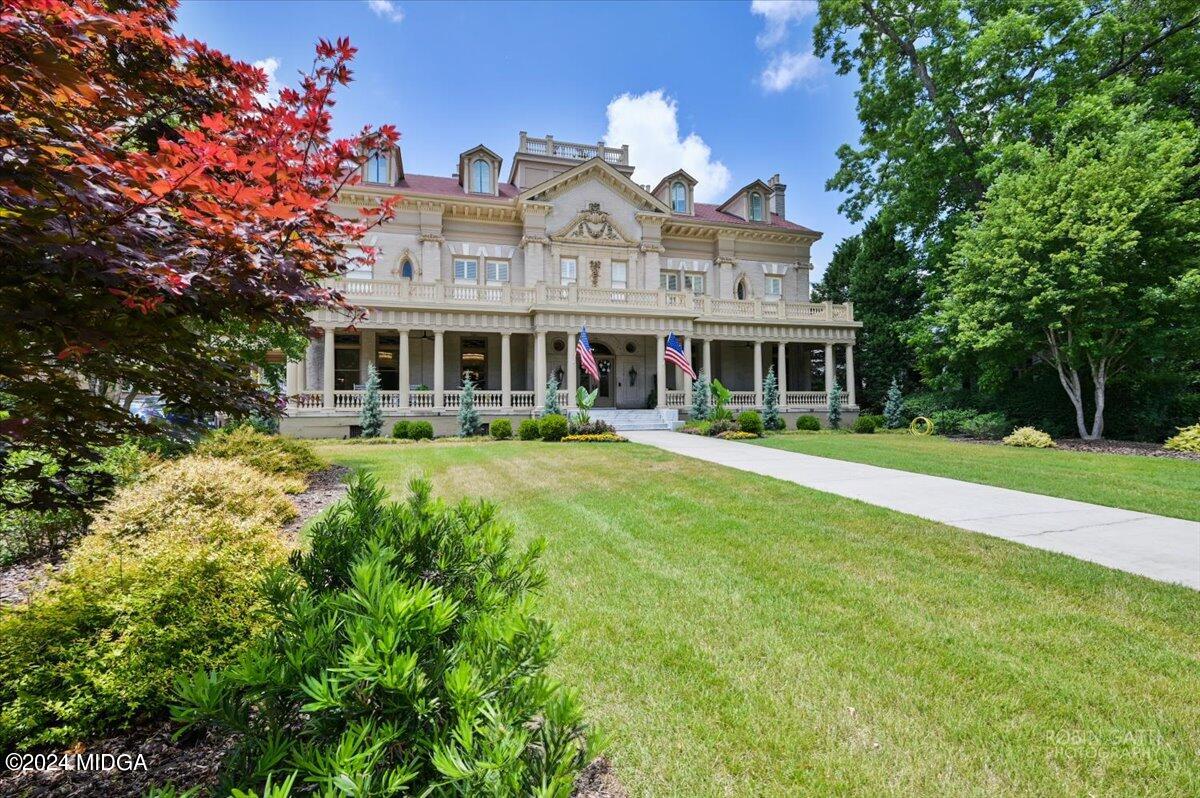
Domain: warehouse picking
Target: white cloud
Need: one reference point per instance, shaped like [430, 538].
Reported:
[386, 9]
[778, 15]
[648, 123]
[270, 66]
[787, 70]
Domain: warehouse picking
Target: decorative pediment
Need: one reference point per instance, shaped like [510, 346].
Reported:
[592, 225]
[597, 169]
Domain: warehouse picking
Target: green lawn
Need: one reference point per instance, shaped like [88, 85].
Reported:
[737, 635]
[1148, 484]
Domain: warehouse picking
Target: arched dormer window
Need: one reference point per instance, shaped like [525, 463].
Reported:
[481, 177]
[377, 168]
[679, 197]
[406, 269]
[756, 207]
[742, 292]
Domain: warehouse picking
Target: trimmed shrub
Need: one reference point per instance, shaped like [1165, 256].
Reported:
[1188, 440]
[406, 659]
[271, 454]
[401, 429]
[420, 430]
[553, 427]
[501, 429]
[1028, 436]
[808, 423]
[864, 425]
[594, 437]
[529, 430]
[992, 426]
[878, 419]
[750, 421]
[167, 582]
[950, 422]
[737, 435]
[696, 427]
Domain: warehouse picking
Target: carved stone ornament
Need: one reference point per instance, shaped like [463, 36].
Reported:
[594, 267]
[594, 223]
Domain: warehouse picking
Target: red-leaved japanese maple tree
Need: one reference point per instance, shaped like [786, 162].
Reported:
[156, 214]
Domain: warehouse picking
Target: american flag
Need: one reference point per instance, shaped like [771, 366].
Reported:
[587, 361]
[674, 354]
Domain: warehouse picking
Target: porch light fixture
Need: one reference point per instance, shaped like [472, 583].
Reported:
[632, 376]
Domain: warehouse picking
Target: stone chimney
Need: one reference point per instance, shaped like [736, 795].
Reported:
[778, 205]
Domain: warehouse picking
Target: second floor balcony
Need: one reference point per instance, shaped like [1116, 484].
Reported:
[406, 293]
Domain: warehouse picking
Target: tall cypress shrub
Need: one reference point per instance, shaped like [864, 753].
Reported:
[700, 398]
[771, 419]
[551, 405]
[468, 416]
[370, 418]
[835, 407]
[893, 408]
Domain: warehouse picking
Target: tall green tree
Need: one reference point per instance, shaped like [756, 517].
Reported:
[834, 285]
[1083, 254]
[946, 84]
[885, 288]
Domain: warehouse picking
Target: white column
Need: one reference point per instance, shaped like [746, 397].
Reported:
[850, 375]
[290, 388]
[758, 374]
[661, 370]
[539, 369]
[403, 368]
[687, 383]
[828, 368]
[439, 370]
[572, 378]
[327, 385]
[781, 374]
[708, 359]
[506, 371]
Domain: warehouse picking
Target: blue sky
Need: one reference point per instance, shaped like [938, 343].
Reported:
[728, 90]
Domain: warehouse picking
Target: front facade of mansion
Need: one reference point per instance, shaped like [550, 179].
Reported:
[494, 280]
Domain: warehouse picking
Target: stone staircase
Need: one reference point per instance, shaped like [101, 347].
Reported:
[637, 419]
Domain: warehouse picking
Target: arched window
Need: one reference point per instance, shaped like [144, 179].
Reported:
[678, 197]
[377, 168]
[406, 269]
[756, 211]
[742, 291]
[481, 176]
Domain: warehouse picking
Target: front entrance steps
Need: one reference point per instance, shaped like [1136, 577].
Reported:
[637, 419]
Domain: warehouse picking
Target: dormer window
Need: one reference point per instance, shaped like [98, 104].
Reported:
[481, 177]
[756, 207]
[679, 197]
[377, 168]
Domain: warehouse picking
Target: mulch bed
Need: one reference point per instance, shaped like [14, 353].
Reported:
[1136, 448]
[20, 580]
[324, 488]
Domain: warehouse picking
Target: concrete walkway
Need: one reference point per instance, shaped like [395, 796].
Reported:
[1166, 549]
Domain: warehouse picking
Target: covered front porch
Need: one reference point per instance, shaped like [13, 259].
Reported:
[422, 371]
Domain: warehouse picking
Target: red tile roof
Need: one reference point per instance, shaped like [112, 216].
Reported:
[709, 213]
[449, 187]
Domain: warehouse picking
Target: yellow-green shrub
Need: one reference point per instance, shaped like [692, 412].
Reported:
[271, 454]
[736, 435]
[189, 490]
[1188, 440]
[1030, 437]
[168, 582]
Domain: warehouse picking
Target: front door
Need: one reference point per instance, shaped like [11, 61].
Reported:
[604, 396]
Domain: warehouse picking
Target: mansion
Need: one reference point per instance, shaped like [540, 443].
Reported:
[494, 280]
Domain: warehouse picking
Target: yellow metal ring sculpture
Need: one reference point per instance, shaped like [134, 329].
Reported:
[921, 426]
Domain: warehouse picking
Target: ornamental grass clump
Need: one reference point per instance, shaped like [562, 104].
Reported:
[1188, 440]
[167, 582]
[270, 454]
[1029, 437]
[405, 657]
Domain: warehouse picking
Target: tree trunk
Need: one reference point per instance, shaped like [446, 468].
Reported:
[1099, 383]
[1068, 375]
[129, 397]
